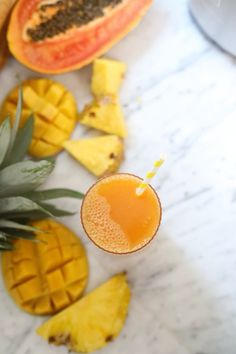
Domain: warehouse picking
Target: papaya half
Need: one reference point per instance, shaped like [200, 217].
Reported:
[56, 36]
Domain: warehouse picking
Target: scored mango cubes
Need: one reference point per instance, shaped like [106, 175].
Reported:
[107, 77]
[55, 113]
[49, 275]
[101, 155]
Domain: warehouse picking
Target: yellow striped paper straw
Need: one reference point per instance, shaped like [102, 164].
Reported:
[149, 176]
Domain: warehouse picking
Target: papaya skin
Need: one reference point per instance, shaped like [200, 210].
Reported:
[3, 48]
[5, 8]
[69, 52]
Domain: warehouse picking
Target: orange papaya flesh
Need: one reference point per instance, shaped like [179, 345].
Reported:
[38, 42]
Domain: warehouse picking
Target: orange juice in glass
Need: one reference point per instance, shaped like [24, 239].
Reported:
[116, 219]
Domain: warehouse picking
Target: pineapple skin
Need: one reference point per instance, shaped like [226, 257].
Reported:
[101, 155]
[45, 277]
[107, 77]
[55, 112]
[92, 322]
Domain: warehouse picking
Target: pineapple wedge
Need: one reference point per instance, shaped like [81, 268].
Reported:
[92, 322]
[55, 113]
[105, 114]
[107, 77]
[101, 155]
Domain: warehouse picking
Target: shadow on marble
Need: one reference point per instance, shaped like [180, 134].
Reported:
[173, 304]
[186, 304]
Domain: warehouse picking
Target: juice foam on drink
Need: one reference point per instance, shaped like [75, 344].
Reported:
[118, 220]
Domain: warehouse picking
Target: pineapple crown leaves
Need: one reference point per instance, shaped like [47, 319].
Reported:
[19, 179]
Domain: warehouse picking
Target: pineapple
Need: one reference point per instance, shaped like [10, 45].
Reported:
[107, 77]
[19, 199]
[55, 113]
[101, 155]
[105, 114]
[46, 276]
[93, 321]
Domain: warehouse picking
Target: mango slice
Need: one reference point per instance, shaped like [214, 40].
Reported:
[93, 321]
[105, 114]
[55, 113]
[107, 77]
[101, 155]
[46, 276]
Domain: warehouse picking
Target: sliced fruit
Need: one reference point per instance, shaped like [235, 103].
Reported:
[39, 276]
[47, 99]
[59, 36]
[105, 114]
[101, 155]
[107, 77]
[92, 322]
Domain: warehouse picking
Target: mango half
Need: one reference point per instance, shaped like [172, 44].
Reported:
[55, 114]
[46, 276]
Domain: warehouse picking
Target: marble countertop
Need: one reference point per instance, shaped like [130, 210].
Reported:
[179, 98]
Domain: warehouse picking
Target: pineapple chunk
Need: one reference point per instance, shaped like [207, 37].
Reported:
[55, 111]
[101, 155]
[107, 77]
[92, 322]
[37, 275]
[105, 114]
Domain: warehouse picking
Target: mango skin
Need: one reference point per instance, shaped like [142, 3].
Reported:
[57, 56]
